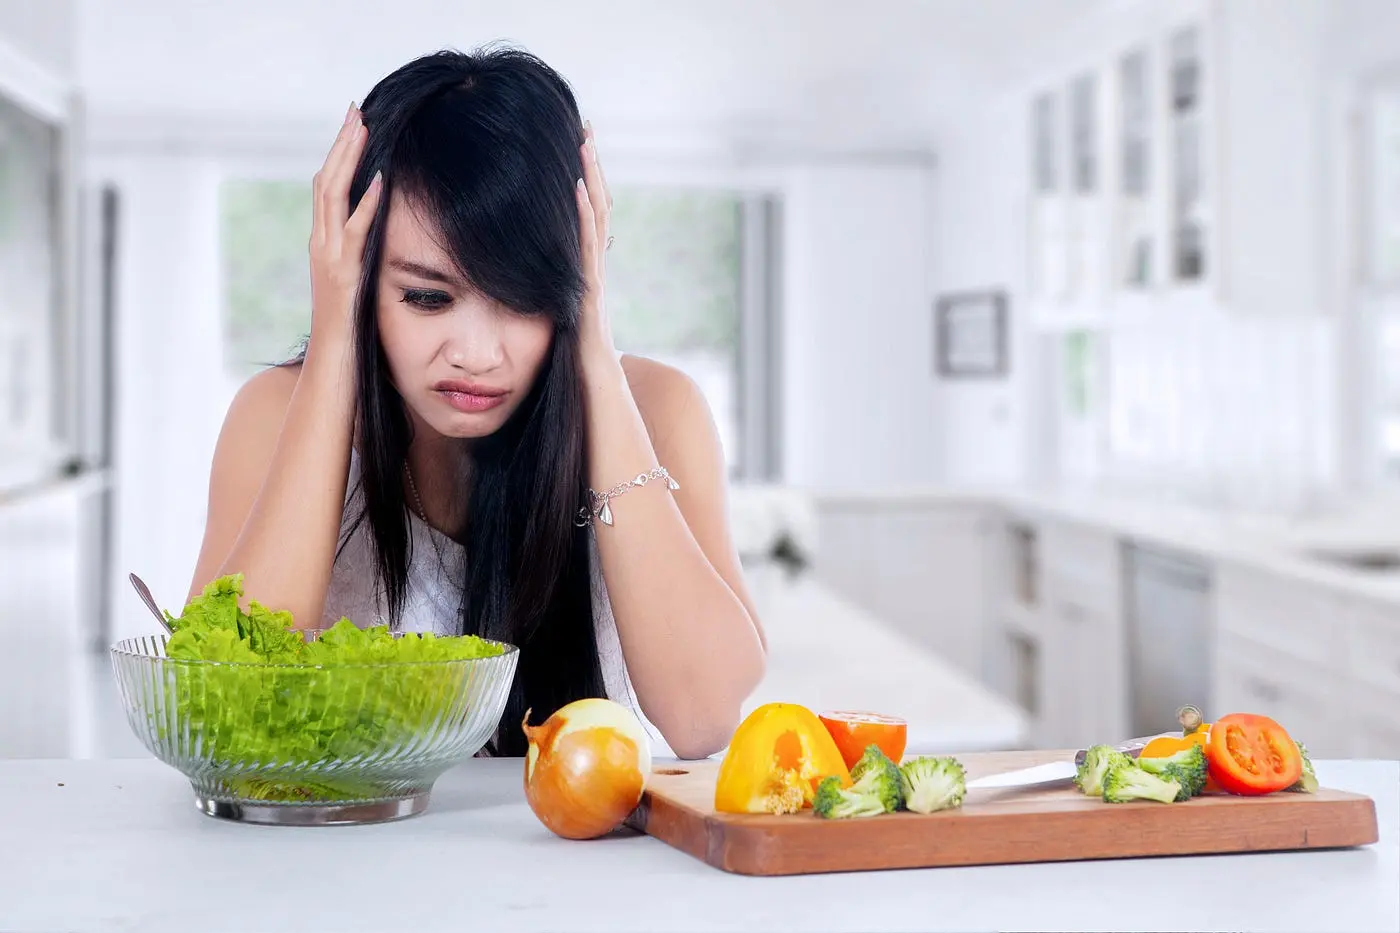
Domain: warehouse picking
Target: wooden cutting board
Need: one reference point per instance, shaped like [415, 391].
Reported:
[1048, 823]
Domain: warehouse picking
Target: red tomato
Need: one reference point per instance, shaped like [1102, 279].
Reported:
[1251, 755]
[854, 731]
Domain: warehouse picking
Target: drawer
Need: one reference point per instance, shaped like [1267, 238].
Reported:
[1306, 622]
[1375, 647]
[1377, 725]
[1313, 704]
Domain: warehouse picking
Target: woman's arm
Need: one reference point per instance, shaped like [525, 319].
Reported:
[691, 639]
[278, 482]
[277, 487]
[692, 644]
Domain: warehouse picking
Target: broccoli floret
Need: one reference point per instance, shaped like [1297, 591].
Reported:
[834, 802]
[1187, 767]
[1097, 762]
[880, 775]
[933, 784]
[1307, 784]
[1130, 782]
[877, 787]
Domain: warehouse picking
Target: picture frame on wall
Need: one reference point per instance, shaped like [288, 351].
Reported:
[970, 335]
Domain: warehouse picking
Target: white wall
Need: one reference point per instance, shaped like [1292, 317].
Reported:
[44, 30]
[860, 400]
[171, 388]
[979, 236]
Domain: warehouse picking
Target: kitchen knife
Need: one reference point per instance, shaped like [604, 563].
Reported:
[1056, 771]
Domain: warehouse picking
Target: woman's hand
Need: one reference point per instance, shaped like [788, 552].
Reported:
[594, 208]
[337, 243]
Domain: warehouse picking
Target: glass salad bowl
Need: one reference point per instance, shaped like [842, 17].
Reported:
[305, 743]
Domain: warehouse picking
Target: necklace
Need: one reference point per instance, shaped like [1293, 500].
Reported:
[413, 488]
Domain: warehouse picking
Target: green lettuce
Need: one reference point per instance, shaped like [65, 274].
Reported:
[287, 703]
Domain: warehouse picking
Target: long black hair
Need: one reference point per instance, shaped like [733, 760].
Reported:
[487, 145]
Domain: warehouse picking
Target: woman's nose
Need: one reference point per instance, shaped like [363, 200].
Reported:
[475, 347]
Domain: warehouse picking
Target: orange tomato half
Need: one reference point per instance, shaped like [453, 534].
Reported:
[855, 731]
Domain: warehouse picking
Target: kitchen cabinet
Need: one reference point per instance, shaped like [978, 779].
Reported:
[1312, 703]
[1325, 663]
[50, 563]
[1044, 604]
[1123, 167]
[1376, 725]
[1293, 617]
[1059, 626]
[1374, 645]
[1154, 165]
[923, 564]
[1081, 636]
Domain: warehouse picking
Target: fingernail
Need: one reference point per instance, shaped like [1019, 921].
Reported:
[588, 127]
[377, 179]
[582, 187]
[349, 113]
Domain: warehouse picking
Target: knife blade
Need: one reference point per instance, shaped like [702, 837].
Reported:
[1056, 771]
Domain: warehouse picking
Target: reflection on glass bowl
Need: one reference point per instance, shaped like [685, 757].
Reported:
[307, 744]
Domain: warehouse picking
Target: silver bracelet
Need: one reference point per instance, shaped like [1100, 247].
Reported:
[600, 509]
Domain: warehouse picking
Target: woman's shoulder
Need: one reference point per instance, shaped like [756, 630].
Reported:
[666, 396]
[267, 392]
[272, 385]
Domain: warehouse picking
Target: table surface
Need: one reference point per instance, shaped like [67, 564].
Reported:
[118, 845]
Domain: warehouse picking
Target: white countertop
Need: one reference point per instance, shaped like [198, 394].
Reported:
[1272, 543]
[118, 845]
[1276, 544]
[826, 653]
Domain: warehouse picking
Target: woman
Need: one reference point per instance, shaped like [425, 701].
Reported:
[431, 459]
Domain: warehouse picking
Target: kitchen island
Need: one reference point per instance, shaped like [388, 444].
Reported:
[118, 845]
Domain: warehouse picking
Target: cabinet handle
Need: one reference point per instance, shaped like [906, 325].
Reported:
[1264, 690]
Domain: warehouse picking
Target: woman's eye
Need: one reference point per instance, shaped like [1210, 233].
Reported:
[426, 298]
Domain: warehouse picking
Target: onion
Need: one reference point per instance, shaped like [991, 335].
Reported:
[586, 767]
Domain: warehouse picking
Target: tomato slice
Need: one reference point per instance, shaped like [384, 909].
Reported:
[1251, 755]
[854, 731]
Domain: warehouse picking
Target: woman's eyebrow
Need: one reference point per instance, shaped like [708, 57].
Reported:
[422, 271]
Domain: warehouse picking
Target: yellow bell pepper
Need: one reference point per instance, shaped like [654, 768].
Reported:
[778, 756]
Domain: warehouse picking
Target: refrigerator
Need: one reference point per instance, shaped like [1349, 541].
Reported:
[55, 389]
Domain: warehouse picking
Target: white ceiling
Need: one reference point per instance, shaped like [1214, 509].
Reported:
[875, 73]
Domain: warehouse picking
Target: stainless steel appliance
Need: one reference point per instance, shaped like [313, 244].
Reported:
[1169, 622]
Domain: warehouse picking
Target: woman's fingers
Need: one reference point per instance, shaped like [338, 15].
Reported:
[602, 173]
[598, 195]
[319, 181]
[357, 227]
[335, 188]
[587, 229]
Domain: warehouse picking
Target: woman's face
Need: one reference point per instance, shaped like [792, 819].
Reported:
[461, 361]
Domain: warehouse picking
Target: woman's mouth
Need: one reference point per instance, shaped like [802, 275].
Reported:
[469, 397]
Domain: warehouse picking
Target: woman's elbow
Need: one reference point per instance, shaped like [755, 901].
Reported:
[709, 729]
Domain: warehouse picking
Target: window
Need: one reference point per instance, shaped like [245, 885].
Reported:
[266, 225]
[674, 290]
[33, 371]
[688, 285]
